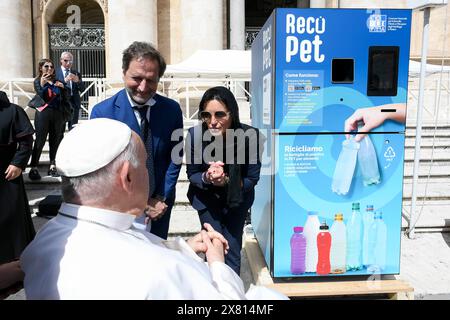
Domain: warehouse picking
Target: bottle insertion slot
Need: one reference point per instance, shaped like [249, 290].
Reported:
[383, 71]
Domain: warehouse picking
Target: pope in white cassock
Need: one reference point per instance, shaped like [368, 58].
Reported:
[91, 250]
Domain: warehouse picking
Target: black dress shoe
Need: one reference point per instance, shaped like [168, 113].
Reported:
[34, 175]
[53, 172]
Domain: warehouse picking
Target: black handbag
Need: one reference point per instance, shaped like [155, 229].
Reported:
[66, 107]
[36, 102]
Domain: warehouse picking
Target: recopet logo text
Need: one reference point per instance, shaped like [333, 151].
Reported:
[297, 47]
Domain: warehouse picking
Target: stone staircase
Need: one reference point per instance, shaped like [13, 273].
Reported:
[435, 204]
[433, 199]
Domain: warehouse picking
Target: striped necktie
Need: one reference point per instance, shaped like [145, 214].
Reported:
[146, 135]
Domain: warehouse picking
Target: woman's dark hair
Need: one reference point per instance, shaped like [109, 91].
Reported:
[41, 63]
[145, 50]
[4, 101]
[226, 97]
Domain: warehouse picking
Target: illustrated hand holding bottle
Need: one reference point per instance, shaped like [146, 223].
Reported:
[363, 120]
[373, 117]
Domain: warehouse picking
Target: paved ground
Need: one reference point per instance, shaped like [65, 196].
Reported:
[425, 265]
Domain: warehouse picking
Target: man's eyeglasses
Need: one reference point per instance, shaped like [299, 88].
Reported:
[219, 115]
[48, 67]
[70, 61]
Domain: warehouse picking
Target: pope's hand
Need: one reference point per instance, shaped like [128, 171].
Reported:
[214, 249]
[197, 244]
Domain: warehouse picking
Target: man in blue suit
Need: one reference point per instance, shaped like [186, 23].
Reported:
[73, 83]
[154, 118]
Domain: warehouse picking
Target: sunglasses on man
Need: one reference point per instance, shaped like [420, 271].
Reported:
[219, 115]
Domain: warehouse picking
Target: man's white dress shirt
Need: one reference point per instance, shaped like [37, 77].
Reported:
[91, 253]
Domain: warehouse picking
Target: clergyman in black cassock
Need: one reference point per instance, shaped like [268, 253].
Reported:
[16, 140]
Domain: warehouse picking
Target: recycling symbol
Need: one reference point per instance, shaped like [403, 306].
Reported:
[390, 153]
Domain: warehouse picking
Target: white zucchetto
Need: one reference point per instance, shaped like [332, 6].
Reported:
[90, 146]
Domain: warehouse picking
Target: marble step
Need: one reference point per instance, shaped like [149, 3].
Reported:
[431, 214]
[437, 189]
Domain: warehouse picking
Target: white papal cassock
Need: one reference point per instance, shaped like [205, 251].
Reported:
[91, 253]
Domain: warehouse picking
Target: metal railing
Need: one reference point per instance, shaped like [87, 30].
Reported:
[436, 99]
[187, 92]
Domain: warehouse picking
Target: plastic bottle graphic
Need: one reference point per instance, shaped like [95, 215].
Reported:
[298, 251]
[367, 253]
[345, 167]
[312, 228]
[368, 163]
[323, 248]
[378, 232]
[338, 245]
[354, 239]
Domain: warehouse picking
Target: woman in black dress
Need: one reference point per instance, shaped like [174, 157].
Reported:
[223, 170]
[16, 140]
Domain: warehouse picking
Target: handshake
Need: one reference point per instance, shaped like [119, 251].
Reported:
[215, 174]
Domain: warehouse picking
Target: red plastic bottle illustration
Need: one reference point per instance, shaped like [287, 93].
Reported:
[323, 247]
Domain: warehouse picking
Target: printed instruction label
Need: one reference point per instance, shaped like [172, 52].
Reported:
[303, 96]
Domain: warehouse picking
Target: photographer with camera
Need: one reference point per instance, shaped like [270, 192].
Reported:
[73, 83]
[49, 119]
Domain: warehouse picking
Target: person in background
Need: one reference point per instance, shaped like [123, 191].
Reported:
[221, 187]
[16, 226]
[51, 120]
[154, 118]
[73, 83]
[91, 250]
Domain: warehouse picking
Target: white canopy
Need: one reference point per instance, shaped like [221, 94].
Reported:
[238, 64]
[414, 68]
[213, 64]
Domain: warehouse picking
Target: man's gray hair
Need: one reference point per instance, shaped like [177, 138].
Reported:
[145, 50]
[64, 53]
[98, 184]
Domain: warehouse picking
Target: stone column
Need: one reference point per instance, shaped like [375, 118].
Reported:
[318, 3]
[237, 24]
[128, 21]
[16, 59]
[237, 41]
[303, 4]
[201, 26]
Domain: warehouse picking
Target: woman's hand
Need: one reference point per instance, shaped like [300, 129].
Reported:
[44, 79]
[12, 172]
[215, 174]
